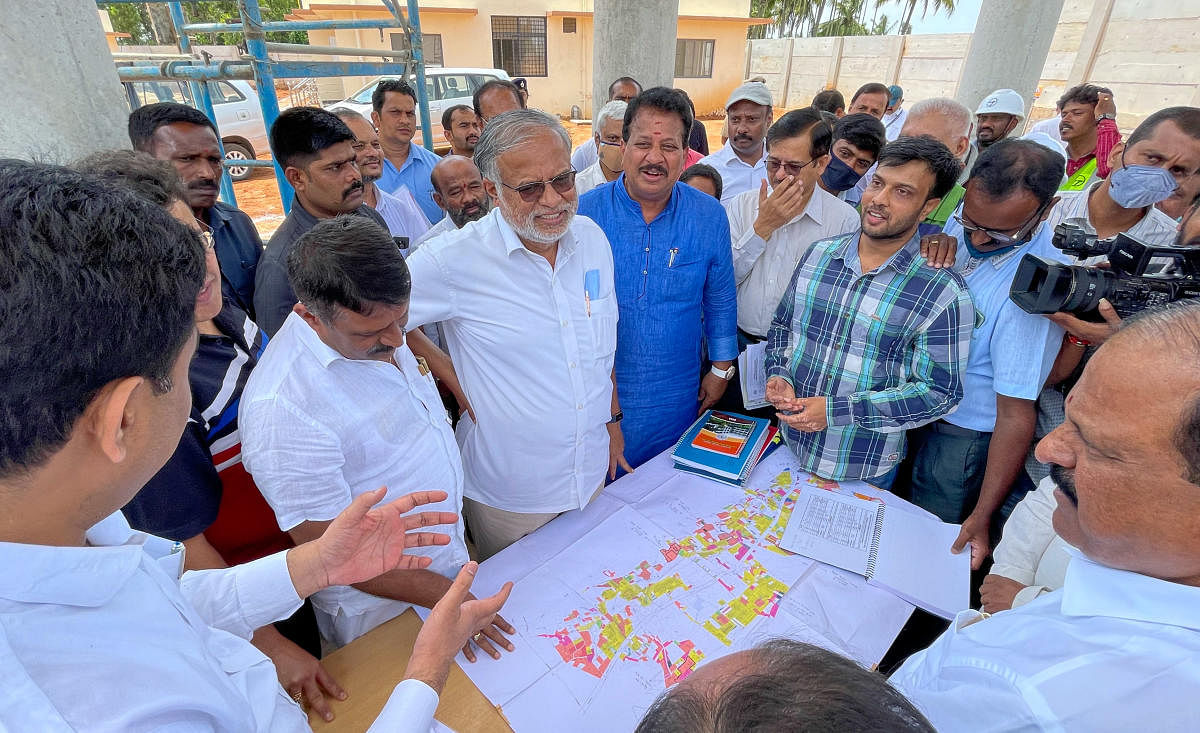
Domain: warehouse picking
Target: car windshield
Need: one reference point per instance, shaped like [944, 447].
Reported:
[364, 94]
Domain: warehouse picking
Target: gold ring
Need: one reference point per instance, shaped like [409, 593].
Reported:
[299, 697]
[477, 637]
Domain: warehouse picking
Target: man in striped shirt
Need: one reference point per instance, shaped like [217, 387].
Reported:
[869, 340]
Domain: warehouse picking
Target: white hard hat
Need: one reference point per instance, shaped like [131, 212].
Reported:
[1002, 101]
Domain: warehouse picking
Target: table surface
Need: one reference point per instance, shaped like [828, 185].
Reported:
[370, 666]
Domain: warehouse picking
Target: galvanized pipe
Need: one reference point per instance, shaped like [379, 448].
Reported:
[264, 76]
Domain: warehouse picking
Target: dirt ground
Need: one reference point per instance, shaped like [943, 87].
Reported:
[258, 195]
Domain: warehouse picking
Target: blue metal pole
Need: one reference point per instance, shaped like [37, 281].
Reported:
[256, 45]
[186, 70]
[291, 25]
[304, 69]
[414, 26]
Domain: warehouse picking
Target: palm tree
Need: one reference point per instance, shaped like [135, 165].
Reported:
[911, 6]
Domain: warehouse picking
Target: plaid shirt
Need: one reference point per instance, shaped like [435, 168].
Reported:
[887, 349]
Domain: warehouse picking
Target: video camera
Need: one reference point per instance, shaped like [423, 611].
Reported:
[1139, 275]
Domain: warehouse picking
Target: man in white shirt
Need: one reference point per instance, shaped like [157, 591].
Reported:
[621, 90]
[1117, 647]
[525, 297]
[457, 190]
[742, 160]
[399, 209]
[1031, 558]
[609, 143]
[89, 609]
[895, 115]
[339, 406]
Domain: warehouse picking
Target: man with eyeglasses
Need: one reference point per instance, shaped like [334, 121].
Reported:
[525, 298]
[621, 90]
[607, 138]
[965, 464]
[404, 218]
[773, 227]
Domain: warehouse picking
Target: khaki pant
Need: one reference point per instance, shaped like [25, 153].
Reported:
[494, 529]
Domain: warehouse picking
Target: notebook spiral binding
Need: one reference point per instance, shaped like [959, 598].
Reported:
[874, 554]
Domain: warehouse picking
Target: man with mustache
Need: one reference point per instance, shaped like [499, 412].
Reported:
[404, 218]
[1116, 647]
[458, 190]
[868, 340]
[997, 117]
[525, 297]
[186, 138]
[316, 151]
[394, 114]
[496, 97]
[674, 275]
[460, 124]
[741, 162]
[1088, 128]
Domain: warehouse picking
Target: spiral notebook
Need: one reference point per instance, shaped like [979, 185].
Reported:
[905, 553]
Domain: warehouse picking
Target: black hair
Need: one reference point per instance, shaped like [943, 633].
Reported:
[830, 100]
[448, 115]
[397, 86]
[790, 686]
[663, 99]
[348, 262]
[942, 163]
[624, 80]
[152, 179]
[1082, 94]
[96, 285]
[863, 131]
[496, 84]
[871, 88]
[701, 170]
[145, 121]
[801, 121]
[301, 133]
[1187, 118]
[1009, 166]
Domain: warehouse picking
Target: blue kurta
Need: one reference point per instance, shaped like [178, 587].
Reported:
[675, 289]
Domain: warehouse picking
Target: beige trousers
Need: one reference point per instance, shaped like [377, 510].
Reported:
[494, 529]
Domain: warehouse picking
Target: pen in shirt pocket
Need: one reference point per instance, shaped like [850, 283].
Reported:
[591, 289]
[671, 261]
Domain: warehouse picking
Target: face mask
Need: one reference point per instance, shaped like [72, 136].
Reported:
[838, 176]
[1138, 186]
[990, 253]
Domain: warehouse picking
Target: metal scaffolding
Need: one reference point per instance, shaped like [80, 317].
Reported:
[258, 66]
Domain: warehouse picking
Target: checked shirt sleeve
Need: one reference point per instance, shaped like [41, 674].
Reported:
[780, 339]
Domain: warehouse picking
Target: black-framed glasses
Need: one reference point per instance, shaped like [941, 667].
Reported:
[791, 167]
[532, 191]
[1000, 237]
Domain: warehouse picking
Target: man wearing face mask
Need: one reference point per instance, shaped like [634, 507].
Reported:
[857, 140]
[607, 138]
[964, 464]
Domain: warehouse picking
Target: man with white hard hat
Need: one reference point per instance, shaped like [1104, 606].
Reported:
[998, 115]
[742, 161]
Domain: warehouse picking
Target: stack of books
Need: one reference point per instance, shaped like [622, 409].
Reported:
[724, 446]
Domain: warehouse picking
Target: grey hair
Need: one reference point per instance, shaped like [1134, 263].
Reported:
[509, 130]
[345, 113]
[948, 108]
[614, 110]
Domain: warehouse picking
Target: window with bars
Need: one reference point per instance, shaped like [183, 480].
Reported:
[431, 46]
[519, 44]
[694, 58]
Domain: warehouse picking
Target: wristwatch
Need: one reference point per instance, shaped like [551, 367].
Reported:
[616, 418]
[1106, 116]
[725, 374]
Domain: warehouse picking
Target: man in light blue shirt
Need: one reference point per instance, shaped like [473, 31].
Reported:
[394, 114]
[964, 465]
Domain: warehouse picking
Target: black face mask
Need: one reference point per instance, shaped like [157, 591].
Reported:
[838, 176]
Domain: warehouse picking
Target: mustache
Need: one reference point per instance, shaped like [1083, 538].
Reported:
[356, 186]
[380, 349]
[203, 184]
[743, 136]
[653, 168]
[1065, 481]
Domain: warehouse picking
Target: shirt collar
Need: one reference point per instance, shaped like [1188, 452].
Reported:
[324, 353]
[815, 208]
[900, 260]
[217, 216]
[300, 215]
[730, 157]
[1092, 589]
[635, 208]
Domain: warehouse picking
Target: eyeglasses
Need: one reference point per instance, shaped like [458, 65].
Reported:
[613, 143]
[206, 236]
[1000, 237]
[532, 191]
[791, 167]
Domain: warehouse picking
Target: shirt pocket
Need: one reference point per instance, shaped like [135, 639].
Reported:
[683, 280]
[602, 327]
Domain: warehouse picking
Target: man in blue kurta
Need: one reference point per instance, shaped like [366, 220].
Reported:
[674, 279]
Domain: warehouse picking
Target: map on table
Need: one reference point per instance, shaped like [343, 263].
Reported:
[661, 573]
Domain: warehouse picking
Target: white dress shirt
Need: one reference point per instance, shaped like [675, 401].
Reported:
[893, 122]
[445, 224]
[763, 268]
[1111, 651]
[586, 154]
[1031, 552]
[736, 175]
[399, 209]
[589, 178]
[319, 429]
[108, 638]
[1154, 228]
[535, 364]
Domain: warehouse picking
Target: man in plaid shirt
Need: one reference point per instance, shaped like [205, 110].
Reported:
[869, 340]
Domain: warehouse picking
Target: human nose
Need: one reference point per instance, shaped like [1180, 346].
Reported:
[394, 336]
[978, 237]
[1054, 448]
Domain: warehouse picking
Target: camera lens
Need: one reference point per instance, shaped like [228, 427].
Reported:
[1043, 286]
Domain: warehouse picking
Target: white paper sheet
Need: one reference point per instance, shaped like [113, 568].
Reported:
[753, 370]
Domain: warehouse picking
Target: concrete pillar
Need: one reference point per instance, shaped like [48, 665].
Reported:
[633, 38]
[1008, 49]
[62, 97]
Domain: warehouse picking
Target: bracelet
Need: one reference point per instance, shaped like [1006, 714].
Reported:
[1081, 343]
[616, 418]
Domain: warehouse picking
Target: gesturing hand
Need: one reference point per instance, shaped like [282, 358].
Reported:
[784, 203]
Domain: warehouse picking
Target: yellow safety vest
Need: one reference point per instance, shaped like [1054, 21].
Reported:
[1081, 178]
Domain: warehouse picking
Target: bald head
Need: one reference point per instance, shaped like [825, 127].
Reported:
[458, 189]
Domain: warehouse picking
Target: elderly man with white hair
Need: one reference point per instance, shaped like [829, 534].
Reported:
[525, 297]
[609, 144]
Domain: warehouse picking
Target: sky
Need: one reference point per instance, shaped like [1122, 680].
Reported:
[963, 20]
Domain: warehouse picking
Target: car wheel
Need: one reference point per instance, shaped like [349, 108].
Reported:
[235, 152]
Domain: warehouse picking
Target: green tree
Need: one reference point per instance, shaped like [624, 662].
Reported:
[136, 21]
[926, 5]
